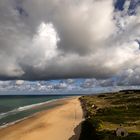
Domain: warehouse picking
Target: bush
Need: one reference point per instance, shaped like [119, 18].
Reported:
[96, 123]
[90, 128]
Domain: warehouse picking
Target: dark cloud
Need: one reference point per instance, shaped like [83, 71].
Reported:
[41, 40]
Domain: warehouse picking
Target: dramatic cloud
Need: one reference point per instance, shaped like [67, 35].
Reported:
[50, 39]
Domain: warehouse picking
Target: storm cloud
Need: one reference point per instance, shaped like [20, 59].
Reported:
[50, 39]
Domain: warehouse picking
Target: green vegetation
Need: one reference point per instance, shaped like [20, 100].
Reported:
[105, 113]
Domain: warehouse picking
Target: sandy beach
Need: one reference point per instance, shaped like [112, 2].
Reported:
[59, 123]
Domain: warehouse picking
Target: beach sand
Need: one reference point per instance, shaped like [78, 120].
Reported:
[60, 123]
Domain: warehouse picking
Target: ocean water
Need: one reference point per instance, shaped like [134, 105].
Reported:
[15, 108]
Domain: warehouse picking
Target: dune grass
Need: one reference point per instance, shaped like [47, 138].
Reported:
[112, 109]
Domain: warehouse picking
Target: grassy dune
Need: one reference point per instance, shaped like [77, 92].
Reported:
[106, 112]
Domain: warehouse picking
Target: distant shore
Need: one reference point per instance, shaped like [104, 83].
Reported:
[60, 123]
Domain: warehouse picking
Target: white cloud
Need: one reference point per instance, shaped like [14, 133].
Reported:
[19, 82]
[67, 39]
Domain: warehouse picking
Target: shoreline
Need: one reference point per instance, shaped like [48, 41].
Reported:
[48, 103]
[61, 117]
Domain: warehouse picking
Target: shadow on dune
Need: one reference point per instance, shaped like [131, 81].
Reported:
[77, 131]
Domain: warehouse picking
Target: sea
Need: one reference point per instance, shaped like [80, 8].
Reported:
[16, 108]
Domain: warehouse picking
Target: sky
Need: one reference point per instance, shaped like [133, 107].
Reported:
[94, 40]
